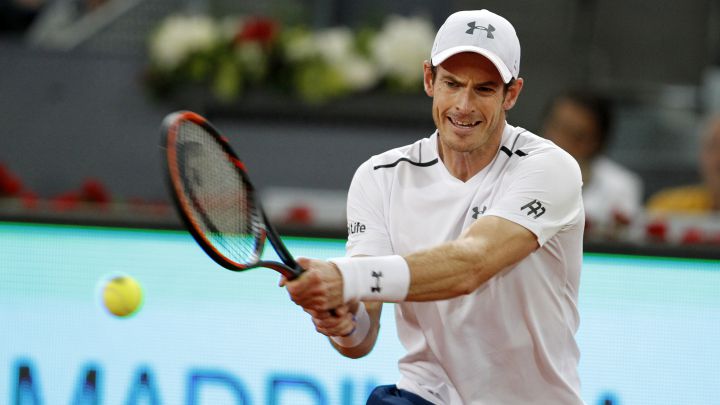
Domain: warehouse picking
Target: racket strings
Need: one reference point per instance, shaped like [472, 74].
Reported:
[220, 198]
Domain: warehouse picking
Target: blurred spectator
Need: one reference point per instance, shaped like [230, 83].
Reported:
[698, 198]
[10, 183]
[17, 15]
[580, 122]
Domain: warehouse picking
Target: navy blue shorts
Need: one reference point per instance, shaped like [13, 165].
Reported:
[391, 395]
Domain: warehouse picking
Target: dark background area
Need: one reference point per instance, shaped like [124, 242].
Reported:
[69, 112]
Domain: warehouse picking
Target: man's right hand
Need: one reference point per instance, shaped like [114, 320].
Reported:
[341, 323]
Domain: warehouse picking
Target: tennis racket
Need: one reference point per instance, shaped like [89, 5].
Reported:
[215, 198]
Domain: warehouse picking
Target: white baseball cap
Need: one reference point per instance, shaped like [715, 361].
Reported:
[482, 32]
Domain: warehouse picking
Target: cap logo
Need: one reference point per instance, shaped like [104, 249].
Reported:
[473, 26]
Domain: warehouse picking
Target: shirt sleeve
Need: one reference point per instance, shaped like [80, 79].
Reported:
[543, 194]
[367, 229]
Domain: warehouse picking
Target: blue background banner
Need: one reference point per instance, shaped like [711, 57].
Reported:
[205, 335]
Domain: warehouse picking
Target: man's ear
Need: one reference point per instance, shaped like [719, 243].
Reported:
[512, 94]
[427, 78]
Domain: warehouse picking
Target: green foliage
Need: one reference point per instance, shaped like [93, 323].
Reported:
[229, 57]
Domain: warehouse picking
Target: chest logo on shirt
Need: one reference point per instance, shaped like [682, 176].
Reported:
[534, 208]
[477, 211]
[355, 227]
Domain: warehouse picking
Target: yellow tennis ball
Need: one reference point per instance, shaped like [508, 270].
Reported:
[122, 296]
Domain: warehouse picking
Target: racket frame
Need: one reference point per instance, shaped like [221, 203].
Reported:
[170, 126]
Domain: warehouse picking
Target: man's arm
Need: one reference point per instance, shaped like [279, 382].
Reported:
[459, 267]
[488, 246]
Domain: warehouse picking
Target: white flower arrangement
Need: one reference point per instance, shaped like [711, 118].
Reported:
[400, 48]
[336, 48]
[179, 36]
[229, 55]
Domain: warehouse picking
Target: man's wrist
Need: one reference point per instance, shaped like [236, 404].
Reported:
[359, 332]
[379, 278]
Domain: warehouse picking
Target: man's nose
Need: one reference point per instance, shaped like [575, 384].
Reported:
[465, 101]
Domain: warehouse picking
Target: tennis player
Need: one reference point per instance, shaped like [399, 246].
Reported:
[475, 232]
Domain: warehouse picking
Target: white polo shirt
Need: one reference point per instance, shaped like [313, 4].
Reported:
[511, 341]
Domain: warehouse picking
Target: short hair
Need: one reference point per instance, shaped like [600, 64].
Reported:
[599, 106]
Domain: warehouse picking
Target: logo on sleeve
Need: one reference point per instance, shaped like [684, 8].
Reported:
[535, 208]
[355, 227]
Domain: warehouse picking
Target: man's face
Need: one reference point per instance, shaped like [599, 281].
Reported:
[710, 157]
[469, 102]
[573, 128]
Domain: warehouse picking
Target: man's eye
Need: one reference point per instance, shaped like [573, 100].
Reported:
[450, 84]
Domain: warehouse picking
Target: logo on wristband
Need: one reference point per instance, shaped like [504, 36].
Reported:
[376, 275]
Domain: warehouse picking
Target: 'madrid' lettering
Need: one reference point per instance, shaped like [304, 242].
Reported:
[534, 207]
[94, 385]
[355, 227]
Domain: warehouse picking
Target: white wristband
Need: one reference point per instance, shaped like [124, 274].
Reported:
[381, 278]
[359, 333]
